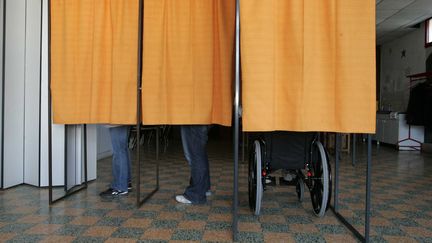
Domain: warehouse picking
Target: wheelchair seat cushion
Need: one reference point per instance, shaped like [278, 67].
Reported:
[287, 150]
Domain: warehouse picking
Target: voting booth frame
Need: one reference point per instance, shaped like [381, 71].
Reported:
[141, 199]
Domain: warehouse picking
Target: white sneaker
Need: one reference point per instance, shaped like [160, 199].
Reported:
[208, 193]
[182, 199]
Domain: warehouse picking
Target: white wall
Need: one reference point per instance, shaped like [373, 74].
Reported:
[32, 92]
[75, 154]
[14, 93]
[395, 68]
[92, 142]
[26, 106]
[21, 96]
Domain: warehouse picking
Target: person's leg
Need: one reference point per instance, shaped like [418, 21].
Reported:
[184, 131]
[186, 135]
[194, 140]
[120, 161]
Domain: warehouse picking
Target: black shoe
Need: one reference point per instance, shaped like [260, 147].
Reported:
[112, 192]
[129, 186]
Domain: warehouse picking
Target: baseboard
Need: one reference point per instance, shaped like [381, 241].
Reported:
[426, 148]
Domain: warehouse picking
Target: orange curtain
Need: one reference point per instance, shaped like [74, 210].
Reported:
[188, 61]
[308, 65]
[94, 61]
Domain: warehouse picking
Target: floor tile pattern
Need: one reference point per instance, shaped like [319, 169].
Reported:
[401, 205]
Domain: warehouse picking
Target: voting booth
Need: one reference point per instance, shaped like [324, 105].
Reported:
[299, 65]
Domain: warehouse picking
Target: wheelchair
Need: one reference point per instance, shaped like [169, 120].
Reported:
[300, 153]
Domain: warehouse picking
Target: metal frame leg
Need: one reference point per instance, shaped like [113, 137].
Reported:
[365, 237]
[140, 201]
[237, 116]
[354, 149]
[368, 188]
[336, 181]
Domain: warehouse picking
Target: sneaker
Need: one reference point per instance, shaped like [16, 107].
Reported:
[129, 186]
[208, 193]
[182, 199]
[112, 192]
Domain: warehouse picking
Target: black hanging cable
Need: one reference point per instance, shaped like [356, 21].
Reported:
[138, 112]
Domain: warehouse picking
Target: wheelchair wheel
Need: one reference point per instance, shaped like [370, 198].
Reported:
[320, 179]
[255, 187]
[300, 187]
[330, 181]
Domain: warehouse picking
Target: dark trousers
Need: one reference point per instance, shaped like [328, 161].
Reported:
[194, 140]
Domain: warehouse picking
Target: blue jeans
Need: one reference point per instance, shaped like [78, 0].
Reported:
[194, 140]
[121, 163]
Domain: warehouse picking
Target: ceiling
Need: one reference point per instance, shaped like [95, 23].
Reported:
[395, 18]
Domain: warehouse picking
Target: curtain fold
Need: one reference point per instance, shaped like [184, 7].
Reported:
[94, 61]
[308, 65]
[188, 62]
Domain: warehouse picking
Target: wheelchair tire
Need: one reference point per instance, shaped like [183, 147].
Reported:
[330, 181]
[300, 187]
[255, 188]
[320, 179]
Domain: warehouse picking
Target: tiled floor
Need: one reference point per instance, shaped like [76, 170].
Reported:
[401, 212]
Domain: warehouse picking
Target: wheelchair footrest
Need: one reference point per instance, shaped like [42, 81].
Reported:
[284, 182]
[270, 181]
